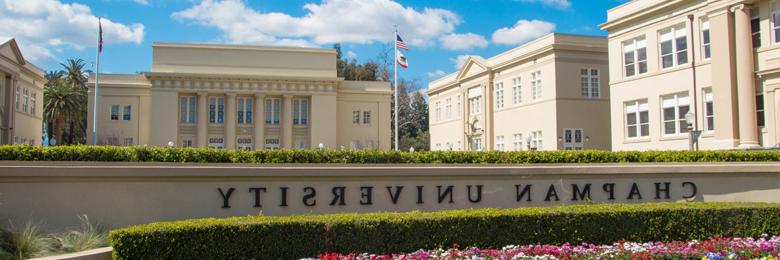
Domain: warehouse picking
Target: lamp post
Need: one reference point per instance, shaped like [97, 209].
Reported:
[693, 135]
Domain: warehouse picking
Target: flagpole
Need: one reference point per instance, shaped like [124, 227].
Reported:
[395, 85]
[97, 88]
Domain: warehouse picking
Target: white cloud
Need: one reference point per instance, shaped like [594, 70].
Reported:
[43, 27]
[563, 4]
[463, 42]
[523, 31]
[435, 74]
[143, 2]
[459, 61]
[351, 55]
[332, 21]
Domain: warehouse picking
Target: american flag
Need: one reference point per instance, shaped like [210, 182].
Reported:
[400, 43]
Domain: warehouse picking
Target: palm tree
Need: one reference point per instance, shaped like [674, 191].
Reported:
[61, 104]
[76, 76]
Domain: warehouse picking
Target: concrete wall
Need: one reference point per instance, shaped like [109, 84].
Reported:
[120, 194]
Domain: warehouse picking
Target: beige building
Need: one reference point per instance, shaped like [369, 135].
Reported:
[549, 94]
[718, 59]
[21, 97]
[241, 97]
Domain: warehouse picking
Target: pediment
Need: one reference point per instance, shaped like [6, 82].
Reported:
[474, 65]
[10, 50]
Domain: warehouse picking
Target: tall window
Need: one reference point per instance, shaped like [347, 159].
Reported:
[705, 39]
[760, 110]
[448, 108]
[16, 103]
[637, 119]
[674, 109]
[356, 117]
[536, 140]
[367, 117]
[709, 113]
[33, 103]
[438, 111]
[126, 113]
[635, 57]
[517, 95]
[457, 106]
[244, 111]
[300, 112]
[273, 107]
[25, 99]
[674, 46]
[517, 142]
[536, 85]
[500, 143]
[114, 112]
[589, 82]
[499, 94]
[187, 109]
[474, 105]
[776, 21]
[755, 27]
[216, 110]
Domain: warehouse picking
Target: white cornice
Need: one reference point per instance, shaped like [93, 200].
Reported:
[242, 47]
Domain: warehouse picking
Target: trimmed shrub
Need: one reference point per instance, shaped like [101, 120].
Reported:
[207, 155]
[265, 237]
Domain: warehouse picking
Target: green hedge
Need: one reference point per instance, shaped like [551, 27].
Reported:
[263, 237]
[205, 155]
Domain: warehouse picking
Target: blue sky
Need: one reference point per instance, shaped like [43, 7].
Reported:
[438, 31]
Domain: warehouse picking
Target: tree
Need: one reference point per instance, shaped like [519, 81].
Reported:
[61, 104]
[76, 76]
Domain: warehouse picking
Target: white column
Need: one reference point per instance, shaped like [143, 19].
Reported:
[259, 125]
[230, 122]
[203, 120]
[287, 122]
[746, 82]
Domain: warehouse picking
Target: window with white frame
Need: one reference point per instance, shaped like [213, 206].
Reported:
[114, 112]
[217, 142]
[572, 139]
[705, 39]
[300, 111]
[674, 46]
[356, 117]
[674, 109]
[634, 57]
[187, 109]
[25, 99]
[438, 111]
[755, 26]
[244, 111]
[760, 120]
[536, 85]
[474, 105]
[244, 143]
[273, 107]
[129, 141]
[637, 119]
[17, 98]
[709, 112]
[499, 94]
[589, 83]
[448, 108]
[216, 110]
[186, 143]
[457, 106]
[367, 117]
[300, 144]
[517, 94]
[476, 144]
[517, 142]
[33, 103]
[272, 144]
[536, 140]
[776, 21]
[500, 143]
[127, 113]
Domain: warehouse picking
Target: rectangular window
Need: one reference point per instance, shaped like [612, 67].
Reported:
[760, 110]
[635, 57]
[367, 117]
[244, 144]
[272, 111]
[499, 94]
[709, 113]
[457, 106]
[500, 143]
[356, 117]
[25, 95]
[589, 83]
[536, 85]
[244, 111]
[476, 144]
[776, 21]
[188, 108]
[272, 144]
[216, 110]
[126, 113]
[114, 112]
[755, 27]
[33, 103]
[674, 46]
[129, 141]
[217, 142]
[674, 109]
[186, 143]
[448, 109]
[517, 94]
[16, 103]
[517, 142]
[438, 111]
[572, 139]
[474, 105]
[536, 140]
[705, 39]
[637, 123]
[300, 112]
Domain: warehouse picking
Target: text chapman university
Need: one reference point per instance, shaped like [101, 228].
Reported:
[338, 195]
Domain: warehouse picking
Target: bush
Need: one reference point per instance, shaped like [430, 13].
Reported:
[206, 155]
[265, 237]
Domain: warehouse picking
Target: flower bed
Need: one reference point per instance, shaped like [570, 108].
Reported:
[764, 247]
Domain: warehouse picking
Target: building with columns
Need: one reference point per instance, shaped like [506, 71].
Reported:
[716, 59]
[548, 94]
[241, 97]
[21, 97]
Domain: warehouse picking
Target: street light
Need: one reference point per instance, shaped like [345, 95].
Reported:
[321, 145]
[693, 135]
